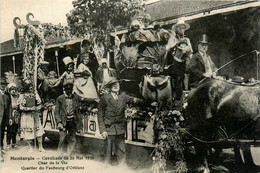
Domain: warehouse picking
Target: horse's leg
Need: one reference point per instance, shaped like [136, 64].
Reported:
[244, 157]
[239, 156]
[247, 155]
[201, 153]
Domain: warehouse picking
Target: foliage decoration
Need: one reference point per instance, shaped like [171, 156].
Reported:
[169, 141]
[95, 19]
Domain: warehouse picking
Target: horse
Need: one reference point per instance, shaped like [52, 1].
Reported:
[217, 106]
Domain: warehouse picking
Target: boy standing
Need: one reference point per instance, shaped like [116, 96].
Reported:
[67, 117]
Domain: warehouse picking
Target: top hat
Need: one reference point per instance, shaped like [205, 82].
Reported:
[204, 39]
[110, 81]
[67, 60]
[181, 22]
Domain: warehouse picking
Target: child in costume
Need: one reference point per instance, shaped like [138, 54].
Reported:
[30, 104]
[68, 75]
[84, 85]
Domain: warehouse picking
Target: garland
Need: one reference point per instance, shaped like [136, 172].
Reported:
[169, 141]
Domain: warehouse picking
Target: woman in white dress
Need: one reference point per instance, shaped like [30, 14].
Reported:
[84, 85]
[30, 104]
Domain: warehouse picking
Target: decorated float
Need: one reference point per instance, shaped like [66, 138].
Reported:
[140, 61]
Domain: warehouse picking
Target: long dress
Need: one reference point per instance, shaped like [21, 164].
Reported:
[30, 121]
[84, 86]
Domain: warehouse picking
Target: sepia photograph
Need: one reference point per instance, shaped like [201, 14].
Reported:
[130, 86]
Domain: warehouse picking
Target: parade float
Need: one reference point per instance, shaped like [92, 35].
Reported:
[153, 130]
[43, 43]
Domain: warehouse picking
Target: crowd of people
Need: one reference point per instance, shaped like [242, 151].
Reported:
[21, 112]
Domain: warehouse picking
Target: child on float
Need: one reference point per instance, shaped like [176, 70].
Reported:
[68, 75]
[84, 85]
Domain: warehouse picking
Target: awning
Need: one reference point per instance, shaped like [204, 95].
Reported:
[61, 45]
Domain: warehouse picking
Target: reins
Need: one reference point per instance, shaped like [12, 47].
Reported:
[224, 139]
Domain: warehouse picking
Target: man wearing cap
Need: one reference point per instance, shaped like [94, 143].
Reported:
[201, 66]
[111, 119]
[67, 117]
[179, 53]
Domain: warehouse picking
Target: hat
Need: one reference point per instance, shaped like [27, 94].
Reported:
[44, 62]
[110, 81]
[10, 85]
[103, 60]
[67, 60]
[180, 22]
[204, 39]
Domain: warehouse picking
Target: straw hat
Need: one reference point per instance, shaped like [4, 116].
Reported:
[180, 22]
[110, 81]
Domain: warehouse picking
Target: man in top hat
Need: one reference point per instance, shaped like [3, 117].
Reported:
[111, 119]
[201, 66]
[179, 53]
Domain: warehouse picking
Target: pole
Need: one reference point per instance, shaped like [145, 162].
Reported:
[35, 87]
[57, 62]
[13, 64]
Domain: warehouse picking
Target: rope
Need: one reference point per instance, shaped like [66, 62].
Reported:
[218, 141]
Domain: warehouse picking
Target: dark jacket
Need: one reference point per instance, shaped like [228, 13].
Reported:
[197, 67]
[60, 112]
[1, 107]
[111, 113]
[7, 107]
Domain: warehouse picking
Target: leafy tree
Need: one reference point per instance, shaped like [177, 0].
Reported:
[95, 19]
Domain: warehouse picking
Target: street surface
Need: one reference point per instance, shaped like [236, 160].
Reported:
[19, 160]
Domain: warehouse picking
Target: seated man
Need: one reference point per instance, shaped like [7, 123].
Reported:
[201, 66]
